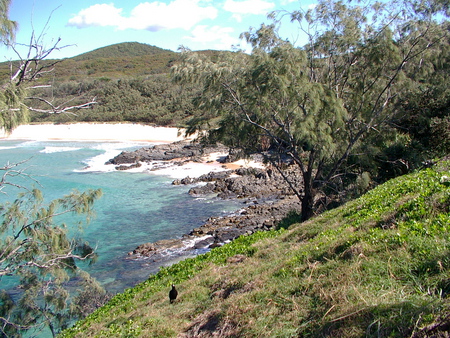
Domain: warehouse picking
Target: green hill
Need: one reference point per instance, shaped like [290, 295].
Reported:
[129, 82]
[123, 60]
[378, 266]
[125, 49]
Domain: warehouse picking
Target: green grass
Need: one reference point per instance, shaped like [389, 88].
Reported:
[378, 266]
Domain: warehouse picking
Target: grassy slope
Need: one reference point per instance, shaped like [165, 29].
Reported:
[377, 266]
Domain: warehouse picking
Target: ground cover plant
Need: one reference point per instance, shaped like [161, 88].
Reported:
[378, 266]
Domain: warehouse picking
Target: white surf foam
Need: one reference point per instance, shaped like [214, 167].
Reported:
[50, 150]
[109, 151]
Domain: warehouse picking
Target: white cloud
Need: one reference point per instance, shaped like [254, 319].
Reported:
[97, 15]
[218, 36]
[153, 16]
[248, 7]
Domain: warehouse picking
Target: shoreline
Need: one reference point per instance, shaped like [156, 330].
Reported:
[118, 132]
[185, 168]
[128, 132]
[264, 196]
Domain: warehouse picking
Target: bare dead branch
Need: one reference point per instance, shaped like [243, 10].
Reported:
[61, 108]
[10, 172]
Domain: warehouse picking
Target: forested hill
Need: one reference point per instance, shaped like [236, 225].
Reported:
[125, 49]
[130, 82]
[123, 60]
[127, 59]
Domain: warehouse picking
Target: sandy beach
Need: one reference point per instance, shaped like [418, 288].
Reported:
[95, 132]
[123, 132]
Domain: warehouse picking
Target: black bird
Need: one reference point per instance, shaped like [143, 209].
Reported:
[173, 293]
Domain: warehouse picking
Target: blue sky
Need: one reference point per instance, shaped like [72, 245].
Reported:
[84, 25]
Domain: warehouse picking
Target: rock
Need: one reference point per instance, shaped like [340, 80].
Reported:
[202, 190]
[256, 217]
[215, 245]
[205, 243]
[150, 249]
[265, 194]
[166, 152]
[127, 167]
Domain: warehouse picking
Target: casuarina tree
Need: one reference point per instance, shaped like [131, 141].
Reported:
[39, 253]
[314, 104]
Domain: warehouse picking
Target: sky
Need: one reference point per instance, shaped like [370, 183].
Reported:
[85, 25]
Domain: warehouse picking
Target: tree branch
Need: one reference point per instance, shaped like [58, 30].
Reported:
[60, 108]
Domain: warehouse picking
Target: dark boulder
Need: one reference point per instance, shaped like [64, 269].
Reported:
[167, 152]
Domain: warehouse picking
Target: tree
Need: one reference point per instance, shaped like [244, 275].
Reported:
[38, 257]
[16, 94]
[317, 103]
[423, 112]
[7, 27]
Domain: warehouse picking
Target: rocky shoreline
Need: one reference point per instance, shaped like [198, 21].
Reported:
[266, 198]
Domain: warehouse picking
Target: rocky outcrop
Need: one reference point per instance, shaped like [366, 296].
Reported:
[166, 152]
[266, 198]
[266, 201]
[219, 230]
[244, 183]
[127, 167]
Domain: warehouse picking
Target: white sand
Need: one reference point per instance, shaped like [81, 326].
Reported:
[95, 132]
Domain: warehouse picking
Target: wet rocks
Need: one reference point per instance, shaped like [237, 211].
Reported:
[244, 183]
[149, 249]
[219, 230]
[127, 167]
[265, 196]
[166, 152]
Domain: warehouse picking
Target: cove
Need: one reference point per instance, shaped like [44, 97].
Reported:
[136, 207]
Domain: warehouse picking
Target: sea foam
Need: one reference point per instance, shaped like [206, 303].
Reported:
[109, 150]
[50, 150]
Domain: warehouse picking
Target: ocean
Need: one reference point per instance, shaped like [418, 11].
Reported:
[136, 207]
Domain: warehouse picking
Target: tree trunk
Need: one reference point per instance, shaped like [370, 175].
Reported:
[307, 205]
[308, 195]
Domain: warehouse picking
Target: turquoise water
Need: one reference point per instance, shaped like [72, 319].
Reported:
[136, 207]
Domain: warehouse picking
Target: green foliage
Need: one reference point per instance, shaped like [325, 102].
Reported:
[7, 27]
[12, 111]
[292, 217]
[154, 99]
[130, 82]
[37, 254]
[377, 266]
[423, 108]
[323, 104]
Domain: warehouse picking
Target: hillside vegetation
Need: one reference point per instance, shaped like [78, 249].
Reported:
[378, 266]
[130, 81]
[114, 61]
